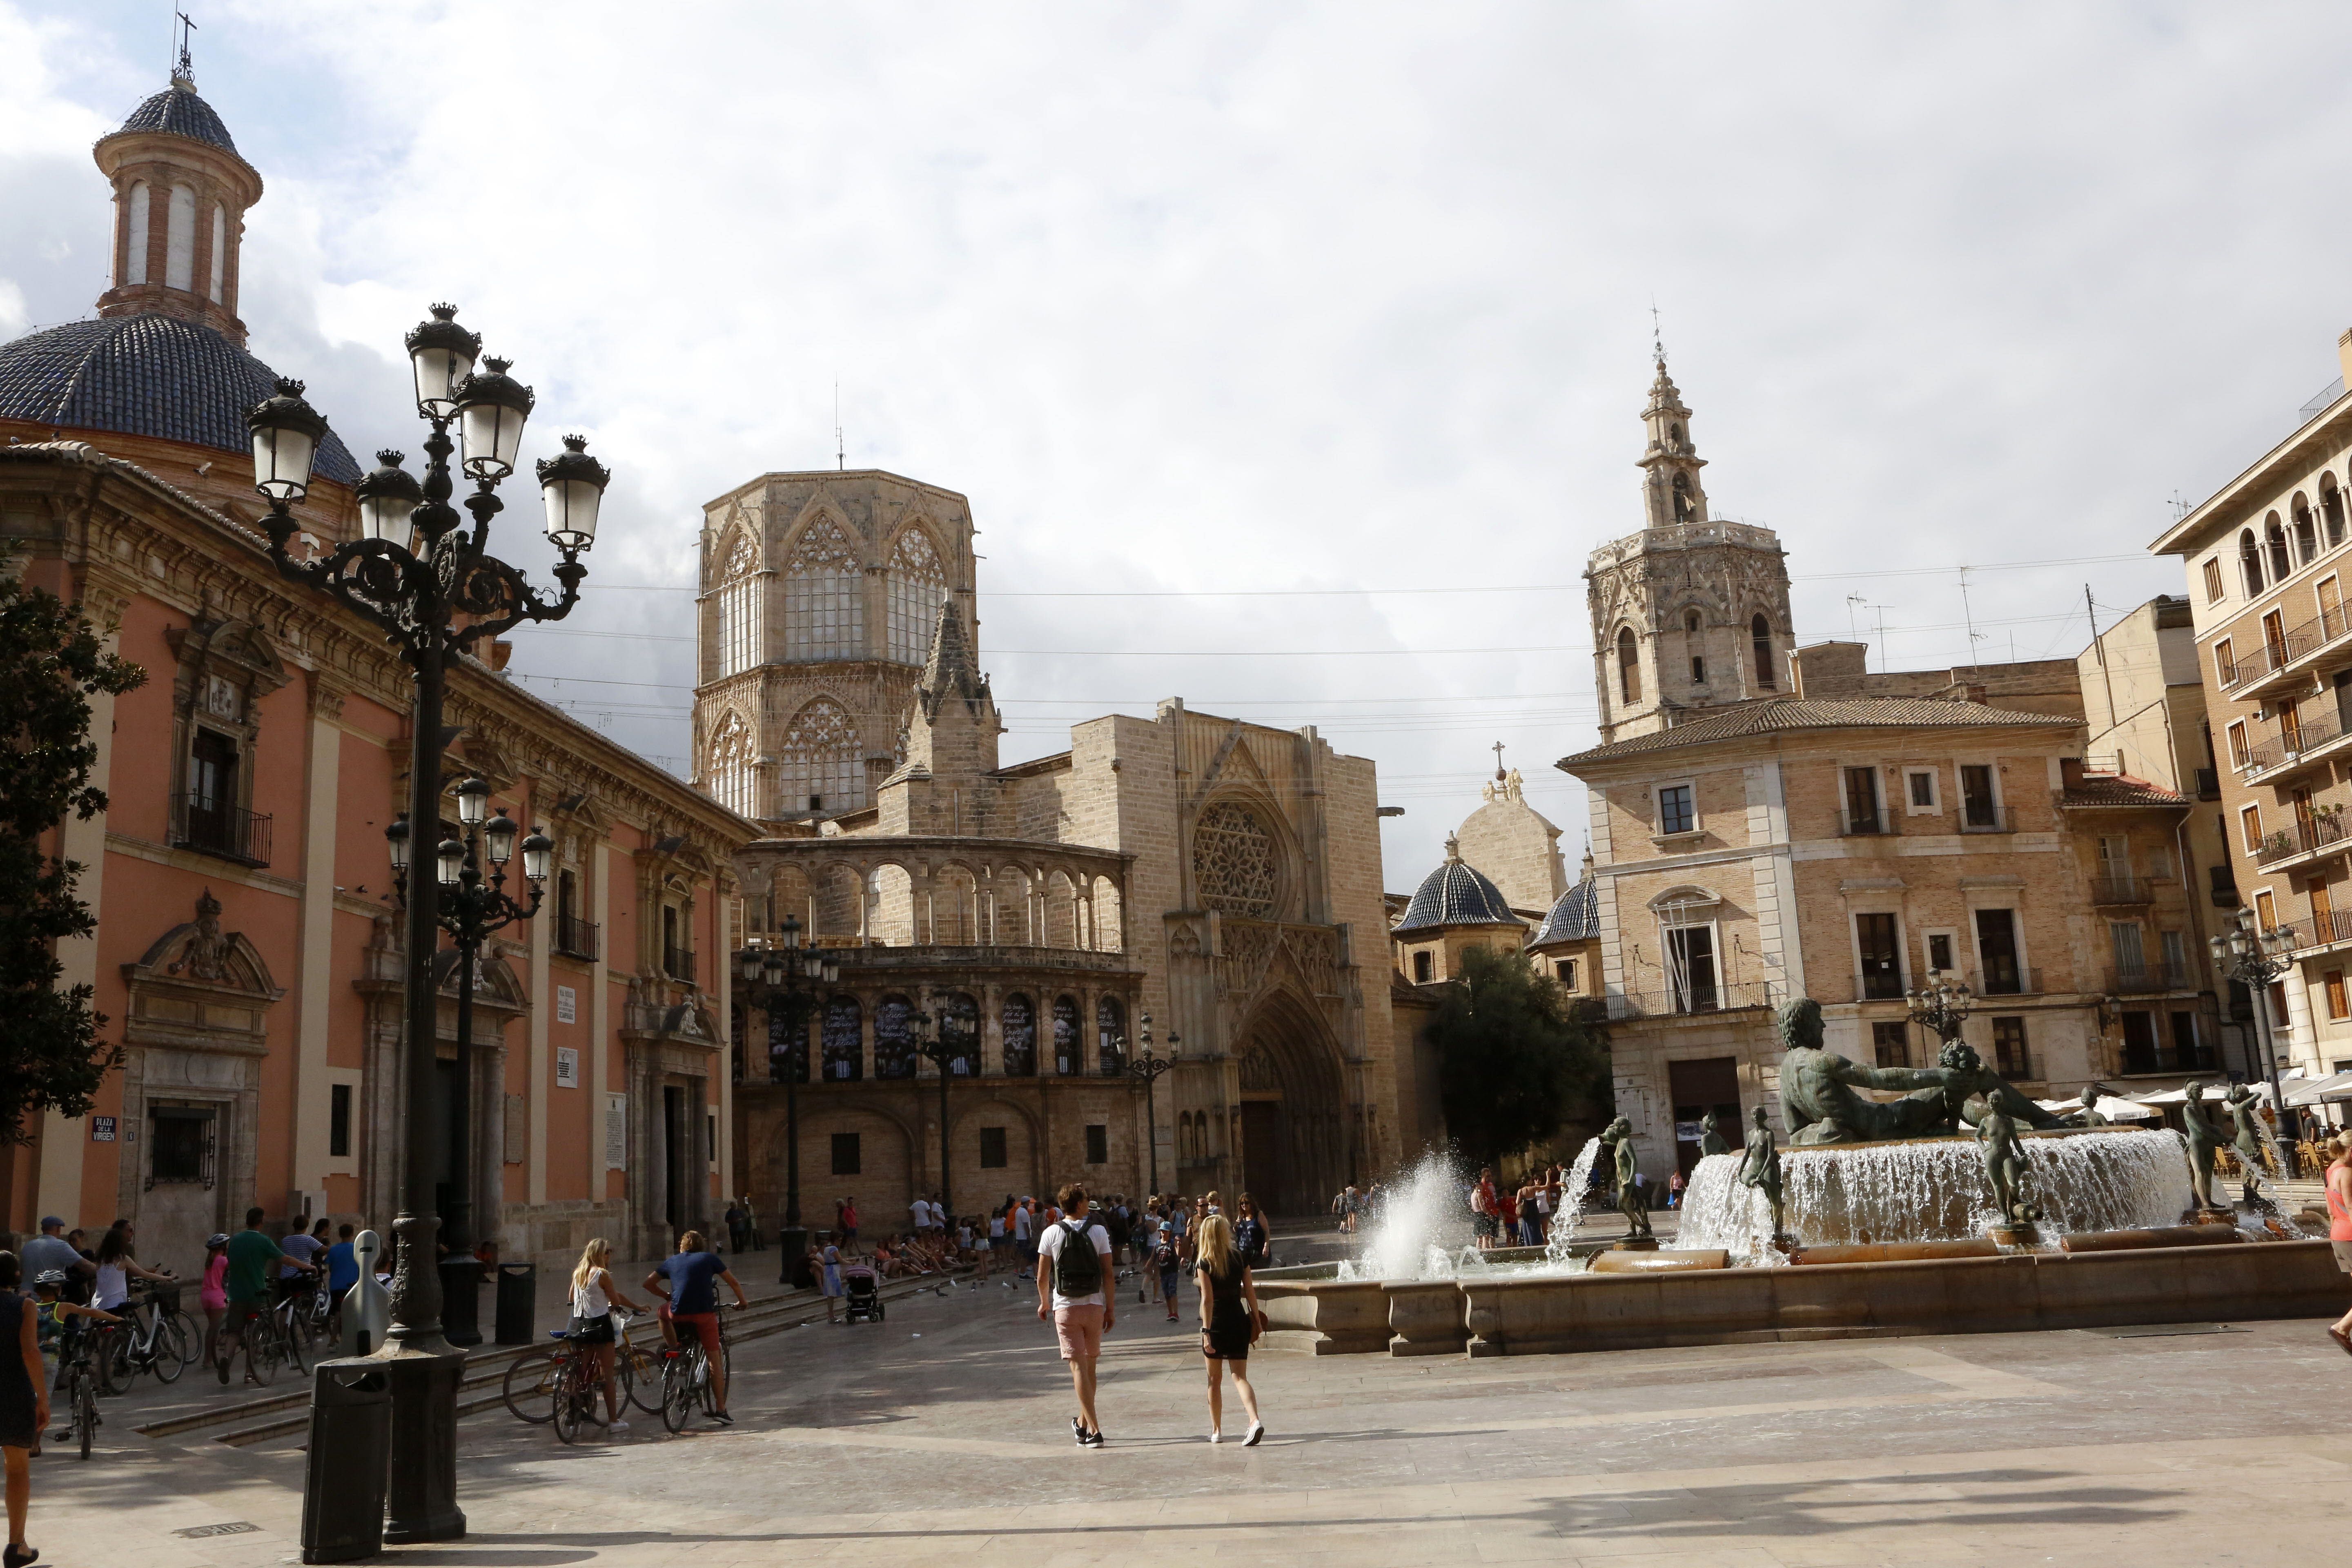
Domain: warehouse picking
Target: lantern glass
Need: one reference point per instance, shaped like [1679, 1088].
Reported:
[832, 972]
[474, 802]
[789, 933]
[441, 353]
[776, 969]
[748, 961]
[452, 856]
[281, 461]
[572, 487]
[492, 410]
[538, 854]
[498, 838]
[396, 835]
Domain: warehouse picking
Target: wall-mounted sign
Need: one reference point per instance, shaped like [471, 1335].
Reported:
[616, 1132]
[567, 1067]
[102, 1129]
[567, 1004]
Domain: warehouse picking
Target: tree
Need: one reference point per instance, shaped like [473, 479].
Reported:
[1516, 1058]
[52, 663]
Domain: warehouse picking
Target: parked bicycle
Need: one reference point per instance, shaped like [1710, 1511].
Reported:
[79, 1360]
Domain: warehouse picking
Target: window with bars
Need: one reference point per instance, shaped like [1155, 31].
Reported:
[824, 596]
[820, 769]
[917, 582]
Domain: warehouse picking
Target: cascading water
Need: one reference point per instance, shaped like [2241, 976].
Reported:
[1423, 1224]
[1570, 1217]
[1935, 1191]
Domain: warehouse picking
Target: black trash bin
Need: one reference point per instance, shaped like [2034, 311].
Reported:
[350, 1455]
[791, 1246]
[461, 1300]
[518, 1303]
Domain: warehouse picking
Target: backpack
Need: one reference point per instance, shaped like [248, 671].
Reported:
[1077, 1266]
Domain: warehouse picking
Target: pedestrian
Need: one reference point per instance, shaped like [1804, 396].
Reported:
[752, 1224]
[1168, 1263]
[1228, 1324]
[848, 1226]
[824, 1262]
[2339, 1228]
[53, 1319]
[1252, 1239]
[734, 1221]
[594, 1297]
[213, 1294]
[689, 1278]
[921, 1209]
[1147, 1246]
[1025, 1237]
[117, 1268]
[1073, 1292]
[1675, 1189]
[250, 1254]
[51, 1251]
[23, 1405]
[301, 1246]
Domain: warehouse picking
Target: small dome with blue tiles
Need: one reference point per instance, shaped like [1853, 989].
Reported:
[1455, 894]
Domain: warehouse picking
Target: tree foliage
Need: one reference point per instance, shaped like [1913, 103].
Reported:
[52, 662]
[1516, 1059]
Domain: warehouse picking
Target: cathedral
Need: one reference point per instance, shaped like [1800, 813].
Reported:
[1205, 886]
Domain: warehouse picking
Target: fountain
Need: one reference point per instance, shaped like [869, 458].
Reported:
[1892, 1225]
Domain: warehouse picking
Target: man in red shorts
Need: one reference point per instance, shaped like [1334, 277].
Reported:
[692, 1276]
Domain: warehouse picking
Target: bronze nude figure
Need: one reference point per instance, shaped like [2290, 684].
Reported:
[1759, 1168]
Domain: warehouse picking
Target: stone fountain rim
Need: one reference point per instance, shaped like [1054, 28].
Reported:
[1789, 1151]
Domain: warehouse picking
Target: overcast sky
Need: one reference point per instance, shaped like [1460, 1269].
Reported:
[1353, 298]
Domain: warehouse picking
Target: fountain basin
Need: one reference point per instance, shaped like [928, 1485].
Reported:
[1665, 1260]
[1897, 1251]
[2162, 1235]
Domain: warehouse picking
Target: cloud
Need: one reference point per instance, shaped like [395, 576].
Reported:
[1222, 296]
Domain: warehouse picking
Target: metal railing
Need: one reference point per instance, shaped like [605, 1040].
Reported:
[2015, 983]
[2272, 654]
[2281, 749]
[677, 963]
[205, 824]
[1982, 817]
[2302, 838]
[2325, 930]
[1691, 1000]
[1866, 826]
[576, 938]
[2148, 978]
[2121, 890]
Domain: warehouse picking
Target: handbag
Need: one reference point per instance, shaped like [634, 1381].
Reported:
[1257, 1324]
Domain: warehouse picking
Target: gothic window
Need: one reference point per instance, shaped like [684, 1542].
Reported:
[1768, 677]
[2275, 537]
[1065, 1035]
[1019, 1036]
[731, 776]
[824, 596]
[959, 1032]
[1629, 666]
[917, 582]
[738, 608]
[844, 1043]
[1110, 1036]
[821, 770]
[894, 1038]
[1233, 861]
[2249, 562]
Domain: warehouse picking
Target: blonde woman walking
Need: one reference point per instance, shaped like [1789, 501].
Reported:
[594, 1297]
[1228, 1322]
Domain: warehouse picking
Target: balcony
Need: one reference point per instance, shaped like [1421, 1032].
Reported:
[576, 938]
[2007, 980]
[1984, 816]
[210, 827]
[2150, 979]
[2121, 891]
[1873, 827]
[677, 963]
[1691, 1001]
[2321, 835]
[2305, 743]
[2281, 661]
[2323, 930]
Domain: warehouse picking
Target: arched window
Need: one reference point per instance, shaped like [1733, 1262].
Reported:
[1019, 1036]
[821, 770]
[2331, 509]
[1065, 1035]
[731, 773]
[824, 596]
[959, 1032]
[1682, 498]
[1675, 431]
[180, 241]
[134, 223]
[2249, 562]
[1629, 666]
[1110, 1036]
[220, 251]
[1767, 674]
[2275, 537]
[2307, 535]
[893, 1037]
[738, 606]
[844, 1043]
[783, 1061]
[918, 582]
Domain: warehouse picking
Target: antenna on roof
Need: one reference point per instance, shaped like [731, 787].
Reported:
[840, 457]
[185, 69]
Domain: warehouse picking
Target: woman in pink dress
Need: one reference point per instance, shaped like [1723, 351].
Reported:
[214, 1291]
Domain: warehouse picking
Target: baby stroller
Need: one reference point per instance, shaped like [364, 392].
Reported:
[861, 1294]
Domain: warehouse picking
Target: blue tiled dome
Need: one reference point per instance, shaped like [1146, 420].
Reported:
[150, 375]
[1575, 916]
[178, 112]
[1455, 895]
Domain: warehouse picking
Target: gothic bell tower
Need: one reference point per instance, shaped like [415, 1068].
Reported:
[1691, 612]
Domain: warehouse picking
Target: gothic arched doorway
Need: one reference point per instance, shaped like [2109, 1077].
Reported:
[1294, 1147]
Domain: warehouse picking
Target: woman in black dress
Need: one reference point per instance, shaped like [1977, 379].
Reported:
[24, 1404]
[1228, 1316]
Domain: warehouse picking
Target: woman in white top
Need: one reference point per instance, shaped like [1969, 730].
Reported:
[116, 1270]
[594, 1297]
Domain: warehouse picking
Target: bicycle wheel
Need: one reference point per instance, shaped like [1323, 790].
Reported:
[644, 1379]
[677, 1397]
[565, 1408]
[192, 1335]
[85, 1414]
[706, 1386]
[172, 1354]
[295, 1328]
[529, 1384]
[261, 1349]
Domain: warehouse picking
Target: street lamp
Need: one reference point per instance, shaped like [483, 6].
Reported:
[2255, 957]
[951, 1060]
[437, 595]
[1149, 1068]
[782, 978]
[1941, 1007]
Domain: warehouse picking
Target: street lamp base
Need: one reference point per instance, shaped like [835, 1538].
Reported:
[421, 1502]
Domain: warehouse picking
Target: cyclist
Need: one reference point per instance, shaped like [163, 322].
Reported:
[691, 1278]
[251, 1253]
[595, 1294]
[53, 1318]
[111, 1294]
[213, 1292]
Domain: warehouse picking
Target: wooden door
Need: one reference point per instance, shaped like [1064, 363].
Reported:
[2331, 609]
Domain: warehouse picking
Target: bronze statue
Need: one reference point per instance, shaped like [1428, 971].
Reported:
[2205, 1135]
[2004, 1162]
[2245, 1111]
[2089, 1116]
[1818, 1102]
[1760, 1168]
[1710, 1142]
[1630, 1200]
[1972, 1089]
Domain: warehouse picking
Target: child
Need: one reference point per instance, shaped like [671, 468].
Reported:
[214, 1293]
[52, 1313]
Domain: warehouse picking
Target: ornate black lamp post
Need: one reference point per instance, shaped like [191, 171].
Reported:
[950, 1059]
[1149, 1068]
[1941, 1007]
[471, 908]
[2256, 958]
[781, 980]
[419, 573]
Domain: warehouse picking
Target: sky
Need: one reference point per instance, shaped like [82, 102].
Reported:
[1291, 356]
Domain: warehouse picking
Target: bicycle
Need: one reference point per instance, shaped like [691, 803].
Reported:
[685, 1378]
[159, 1345]
[78, 1383]
[535, 1379]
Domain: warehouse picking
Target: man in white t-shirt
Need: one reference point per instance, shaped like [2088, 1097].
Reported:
[921, 1209]
[1025, 1237]
[1080, 1317]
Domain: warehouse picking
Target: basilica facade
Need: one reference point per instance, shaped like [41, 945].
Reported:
[1206, 885]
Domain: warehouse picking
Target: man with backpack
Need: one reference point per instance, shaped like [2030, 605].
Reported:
[1074, 1290]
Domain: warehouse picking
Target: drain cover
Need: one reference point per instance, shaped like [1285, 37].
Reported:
[234, 1527]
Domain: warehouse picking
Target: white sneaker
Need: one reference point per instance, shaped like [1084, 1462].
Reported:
[1216, 1437]
[616, 1425]
[1258, 1430]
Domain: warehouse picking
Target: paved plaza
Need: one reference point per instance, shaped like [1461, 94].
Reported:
[942, 1434]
